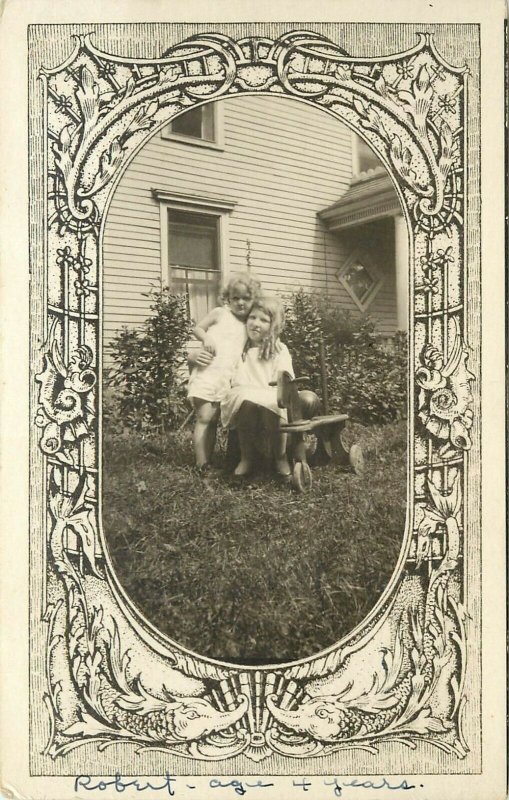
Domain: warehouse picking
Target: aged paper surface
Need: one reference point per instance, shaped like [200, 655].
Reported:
[95, 699]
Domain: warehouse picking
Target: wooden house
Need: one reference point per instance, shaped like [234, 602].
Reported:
[260, 183]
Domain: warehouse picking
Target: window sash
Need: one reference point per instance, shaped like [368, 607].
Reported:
[186, 230]
[201, 118]
[198, 273]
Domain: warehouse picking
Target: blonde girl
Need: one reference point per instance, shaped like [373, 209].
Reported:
[251, 405]
[222, 333]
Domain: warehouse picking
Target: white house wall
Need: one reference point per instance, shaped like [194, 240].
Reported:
[282, 162]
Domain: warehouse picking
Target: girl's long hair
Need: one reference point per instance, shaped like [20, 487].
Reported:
[273, 307]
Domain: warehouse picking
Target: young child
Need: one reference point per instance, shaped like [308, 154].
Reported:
[245, 407]
[223, 335]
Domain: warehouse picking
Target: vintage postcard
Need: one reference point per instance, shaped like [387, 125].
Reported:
[252, 400]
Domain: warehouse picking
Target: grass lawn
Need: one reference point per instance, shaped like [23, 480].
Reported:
[252, 573]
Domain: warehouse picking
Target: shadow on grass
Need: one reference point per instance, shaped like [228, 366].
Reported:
[253, 573]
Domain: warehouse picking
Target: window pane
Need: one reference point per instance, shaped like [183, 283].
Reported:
[208, 132]
[192, 240]
[360, 281]
[189, 124]
[202, 288]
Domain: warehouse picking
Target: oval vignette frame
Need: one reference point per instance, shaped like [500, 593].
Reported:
[122, 595]
[123, 681]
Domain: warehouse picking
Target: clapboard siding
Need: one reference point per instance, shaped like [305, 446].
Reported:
[282, 162]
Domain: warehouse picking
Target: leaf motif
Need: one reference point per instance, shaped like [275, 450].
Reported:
[416, 628]
[447, 154]
[88, 98]
[129, 87]
[119, 664]
[57, 359]
[430, 521]
[374, 119]
[442, 502]
[423, 81]
[360, 106]
[84, 526]
[425, 723]
[55, 482]
[395, 663]
[427, 520]
[65, 138]
[169, 74]
[447, 137]
[143, 117]
[108, 163]
[152, 108]
[396, 148]
[65, 457]
[97, 624]
[381, 86]
[87, 726]
[406, 97]
[79, 493]
[62, 150]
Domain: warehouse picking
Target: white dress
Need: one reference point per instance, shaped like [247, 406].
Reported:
[251, 382]
[212, 382]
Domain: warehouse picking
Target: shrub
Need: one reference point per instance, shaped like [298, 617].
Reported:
[365, 379]
[148, 371]
[370, 382]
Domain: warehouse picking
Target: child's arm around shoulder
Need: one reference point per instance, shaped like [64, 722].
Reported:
[284, 360]
[200, 330]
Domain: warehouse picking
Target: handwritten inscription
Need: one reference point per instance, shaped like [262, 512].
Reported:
[167, 784]
[120, 785]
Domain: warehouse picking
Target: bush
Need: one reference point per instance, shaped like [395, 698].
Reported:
[365, 379]
[148, 372]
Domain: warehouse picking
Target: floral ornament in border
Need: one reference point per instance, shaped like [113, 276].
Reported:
[99, 109]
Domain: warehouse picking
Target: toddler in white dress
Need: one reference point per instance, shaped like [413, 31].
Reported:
[222, 333]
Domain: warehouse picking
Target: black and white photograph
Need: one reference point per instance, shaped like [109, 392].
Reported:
[266, 239]
[261, 553]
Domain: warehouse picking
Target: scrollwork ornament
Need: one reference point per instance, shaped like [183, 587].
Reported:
[100, 108]
[66, 410]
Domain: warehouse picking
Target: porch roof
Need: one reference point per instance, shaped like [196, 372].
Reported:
[371, 196]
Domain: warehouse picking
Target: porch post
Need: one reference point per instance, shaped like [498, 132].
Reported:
[402, 269]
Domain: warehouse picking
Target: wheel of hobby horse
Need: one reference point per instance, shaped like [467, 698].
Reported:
[356, 459]
[302, 478]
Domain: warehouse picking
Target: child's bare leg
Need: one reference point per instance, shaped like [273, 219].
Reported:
[282, 465]
[245, 429]
[245, 464]
[204, 433]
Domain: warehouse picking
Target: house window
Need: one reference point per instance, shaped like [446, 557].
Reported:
[193, 259]
[194, 246]
[201, 125]
[197, 122]
[361, 279]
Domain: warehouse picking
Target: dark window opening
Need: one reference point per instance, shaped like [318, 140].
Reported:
[197, 123]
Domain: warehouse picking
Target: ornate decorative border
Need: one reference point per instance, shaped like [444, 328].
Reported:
[110, 678]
